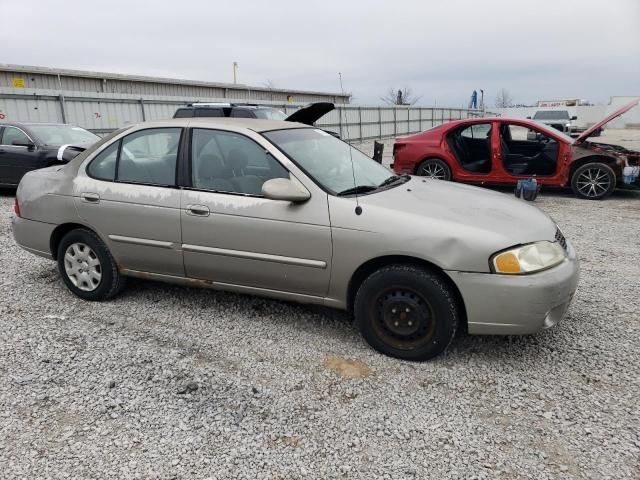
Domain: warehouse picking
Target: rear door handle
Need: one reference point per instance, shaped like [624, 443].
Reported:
[198, 210]
[90, 197]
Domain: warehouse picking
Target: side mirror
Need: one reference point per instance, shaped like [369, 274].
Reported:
[284, 189]
[574, 118]
[529, 117]
[24, 143]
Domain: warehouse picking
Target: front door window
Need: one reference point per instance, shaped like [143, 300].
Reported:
[527, 152]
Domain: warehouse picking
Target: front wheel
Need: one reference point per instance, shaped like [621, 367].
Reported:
[406, 312]
[87, 267]
[434, 168]
[593, 181]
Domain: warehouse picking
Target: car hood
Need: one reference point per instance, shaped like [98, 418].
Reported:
[311, 113]
[455, 226]
[591, 130]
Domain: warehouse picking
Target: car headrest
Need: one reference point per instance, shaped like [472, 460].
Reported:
[238, 159]
[211, 166]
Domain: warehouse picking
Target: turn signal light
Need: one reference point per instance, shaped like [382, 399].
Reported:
[16, 207]
[507, 263]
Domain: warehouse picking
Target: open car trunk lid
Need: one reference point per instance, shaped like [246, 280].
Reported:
[309, 114]
[590, 131]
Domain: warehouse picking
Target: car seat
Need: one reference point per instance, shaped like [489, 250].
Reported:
[251, 184]
[212, 174]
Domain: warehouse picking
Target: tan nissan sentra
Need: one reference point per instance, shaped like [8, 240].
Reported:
[288, 211]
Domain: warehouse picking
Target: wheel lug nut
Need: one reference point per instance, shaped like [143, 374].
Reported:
[393, 310]
[407, 310]
[396, 324]
[409, 323]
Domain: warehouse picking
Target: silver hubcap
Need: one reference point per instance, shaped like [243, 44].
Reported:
[433, 170]
[593, 182]
[82, 266]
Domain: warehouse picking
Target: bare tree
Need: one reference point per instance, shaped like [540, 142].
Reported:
[269, 84]
[503, 99]
[403, 96]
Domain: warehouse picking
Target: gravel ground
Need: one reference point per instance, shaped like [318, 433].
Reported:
[171, 382]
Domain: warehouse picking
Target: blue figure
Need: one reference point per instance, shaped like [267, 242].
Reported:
[474, 100]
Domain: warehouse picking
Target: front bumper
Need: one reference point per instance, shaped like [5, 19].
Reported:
[518, 304]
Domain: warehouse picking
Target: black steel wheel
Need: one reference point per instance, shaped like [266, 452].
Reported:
[406, 312]
[593, 181]
[434, 168]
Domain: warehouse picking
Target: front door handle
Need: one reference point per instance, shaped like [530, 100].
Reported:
[198, 210]
[90, 197]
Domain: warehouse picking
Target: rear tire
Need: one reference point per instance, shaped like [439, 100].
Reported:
[406, 312]
[87, 267]
[593, 181]
[434, 168]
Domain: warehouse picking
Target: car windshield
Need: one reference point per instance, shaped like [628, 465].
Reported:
[270, 114]
[551, 115]
[63, 134]
[329, 160]
[553, 131]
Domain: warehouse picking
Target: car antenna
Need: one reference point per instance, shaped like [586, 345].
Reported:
[346, 124]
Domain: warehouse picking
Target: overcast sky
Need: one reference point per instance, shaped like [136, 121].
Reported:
[545, 49]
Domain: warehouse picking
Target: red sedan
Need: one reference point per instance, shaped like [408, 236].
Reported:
[501, 151]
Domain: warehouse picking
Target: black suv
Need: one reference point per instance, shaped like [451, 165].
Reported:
[236, 110]
[307, 114]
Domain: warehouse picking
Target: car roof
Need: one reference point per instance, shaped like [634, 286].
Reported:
[229, 123]
[30, 124]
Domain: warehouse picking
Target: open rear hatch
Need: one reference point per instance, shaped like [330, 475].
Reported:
[309, 114]
[594, 128]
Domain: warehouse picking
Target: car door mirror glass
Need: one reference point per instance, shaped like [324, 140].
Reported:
[284, 189]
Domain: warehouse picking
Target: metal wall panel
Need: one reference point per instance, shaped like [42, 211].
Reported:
[103, 112]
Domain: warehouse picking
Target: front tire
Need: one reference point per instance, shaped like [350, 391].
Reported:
[434, 168]
[87, 267]
[593, 181]
[406, 312]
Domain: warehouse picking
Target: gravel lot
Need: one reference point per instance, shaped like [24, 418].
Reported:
[171, 382]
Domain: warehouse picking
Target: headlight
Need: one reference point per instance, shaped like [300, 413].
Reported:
[528, 258]
[568, 125]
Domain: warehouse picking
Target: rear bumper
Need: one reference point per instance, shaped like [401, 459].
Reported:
[33, 236]
[512, 304]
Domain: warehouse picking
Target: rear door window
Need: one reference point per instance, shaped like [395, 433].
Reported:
[147, 156]
[240, 113]
[103, 166]
[208, 112]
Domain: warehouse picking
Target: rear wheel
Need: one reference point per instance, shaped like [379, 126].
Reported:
[87, 267]
[406, 312]
[593, 181]
[434, 168]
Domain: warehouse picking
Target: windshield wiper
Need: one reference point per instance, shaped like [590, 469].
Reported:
[357, 189]
[390, 180]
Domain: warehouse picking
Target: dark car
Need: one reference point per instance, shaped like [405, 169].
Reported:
[501, 151]
[28, 146]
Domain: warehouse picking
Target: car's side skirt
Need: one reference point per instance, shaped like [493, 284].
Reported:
[262, 292]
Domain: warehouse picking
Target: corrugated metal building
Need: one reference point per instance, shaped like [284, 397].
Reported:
[42, 78]
[102, 102]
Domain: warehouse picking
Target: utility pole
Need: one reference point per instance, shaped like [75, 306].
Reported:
[235, 72]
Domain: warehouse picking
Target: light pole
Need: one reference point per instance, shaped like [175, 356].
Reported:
[235, 72]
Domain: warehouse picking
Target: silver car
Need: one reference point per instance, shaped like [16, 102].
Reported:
[288, 211]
